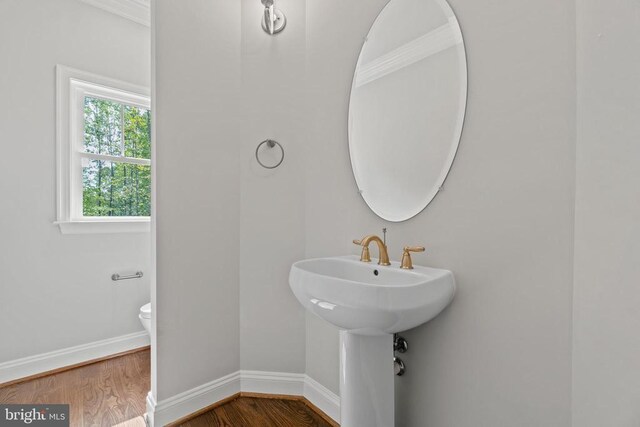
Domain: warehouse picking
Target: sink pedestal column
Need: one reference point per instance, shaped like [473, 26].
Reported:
[366, 380]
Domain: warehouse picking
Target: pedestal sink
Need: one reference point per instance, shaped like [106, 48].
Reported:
[369, 303]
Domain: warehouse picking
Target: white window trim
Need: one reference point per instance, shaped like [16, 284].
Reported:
[71, 86]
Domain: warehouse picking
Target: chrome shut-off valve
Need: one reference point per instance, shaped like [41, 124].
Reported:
[398, 366]
[400, 345]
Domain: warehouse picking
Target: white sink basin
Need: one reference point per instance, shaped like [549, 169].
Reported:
[368, 299]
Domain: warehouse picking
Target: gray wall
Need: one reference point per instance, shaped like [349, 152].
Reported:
[501, 354]
[606, 378]
[227, 230]
[56, 290]
[272, 330]
[197, 81]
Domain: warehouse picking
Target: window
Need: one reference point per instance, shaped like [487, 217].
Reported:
[104, 154]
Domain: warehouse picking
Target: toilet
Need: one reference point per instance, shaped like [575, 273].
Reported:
[145, 317]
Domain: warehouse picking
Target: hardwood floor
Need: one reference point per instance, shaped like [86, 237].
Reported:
[259, 412]
[108, 393]
[113, 393]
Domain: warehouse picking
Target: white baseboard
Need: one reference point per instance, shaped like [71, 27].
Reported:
[323, 398]
[186, 403]
[190, 401]
[32, 365]
[272, 382]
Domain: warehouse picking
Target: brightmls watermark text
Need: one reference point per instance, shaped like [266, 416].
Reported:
[34, 415]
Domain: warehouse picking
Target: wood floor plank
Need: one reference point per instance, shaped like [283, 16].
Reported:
[107, 393]
[113, 393]
[259, 412]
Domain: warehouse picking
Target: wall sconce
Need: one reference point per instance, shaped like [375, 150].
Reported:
[273, 20]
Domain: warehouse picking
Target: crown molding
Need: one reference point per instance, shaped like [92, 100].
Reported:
[439, 39]
[134, 10]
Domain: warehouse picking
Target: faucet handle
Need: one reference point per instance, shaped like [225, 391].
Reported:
[414, 248]
[406, 262]
[365, 256]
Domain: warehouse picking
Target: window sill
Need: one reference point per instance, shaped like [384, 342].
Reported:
[105, 226]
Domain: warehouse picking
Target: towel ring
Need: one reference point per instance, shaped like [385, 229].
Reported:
[270, 143]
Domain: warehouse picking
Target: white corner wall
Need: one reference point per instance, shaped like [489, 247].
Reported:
[272, 331]
[56, 291]
[606, 342]
[197, 86]
[227, 230]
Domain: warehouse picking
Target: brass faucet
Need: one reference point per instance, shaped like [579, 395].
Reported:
[406, 262]
[382, 249]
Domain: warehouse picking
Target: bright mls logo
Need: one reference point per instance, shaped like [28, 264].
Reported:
[34, 415]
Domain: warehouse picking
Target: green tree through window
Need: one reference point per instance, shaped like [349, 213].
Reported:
[116, 174]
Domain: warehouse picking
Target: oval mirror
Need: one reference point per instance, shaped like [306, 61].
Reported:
[407, 106]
